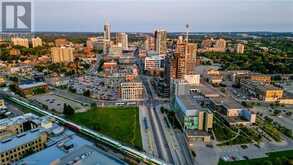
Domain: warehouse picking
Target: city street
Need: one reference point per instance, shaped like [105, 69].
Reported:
[12, 108]
[171, 145]
[162, 144]
[146, 131]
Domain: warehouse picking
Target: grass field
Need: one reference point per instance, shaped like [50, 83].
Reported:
[274, 158]
[120, 123]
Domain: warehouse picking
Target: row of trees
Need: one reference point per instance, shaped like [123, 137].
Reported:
[257, 62]
[278, 59]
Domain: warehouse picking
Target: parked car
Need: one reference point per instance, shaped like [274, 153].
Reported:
[243, 146]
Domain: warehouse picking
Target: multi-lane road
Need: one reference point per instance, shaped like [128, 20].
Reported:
[168, 146]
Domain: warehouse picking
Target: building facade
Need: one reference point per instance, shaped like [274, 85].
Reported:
[263, 91]
[153, 63]
[61, 42]
[132, 91]
[183, 60]
[161, 41]
[240, 48]
[20, 42]
[107, 31]
[149, 43]
[32, 88]
[122, 39]
[62, 54]
[196, 120]
[37, 42]
[23, 144]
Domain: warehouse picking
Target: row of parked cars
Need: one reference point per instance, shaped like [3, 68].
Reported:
[5, 112]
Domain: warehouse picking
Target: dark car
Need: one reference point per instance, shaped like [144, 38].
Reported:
[210, 145]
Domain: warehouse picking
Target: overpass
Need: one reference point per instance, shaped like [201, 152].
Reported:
[93, 134]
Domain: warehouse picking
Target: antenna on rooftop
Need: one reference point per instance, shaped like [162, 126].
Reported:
[187, 31]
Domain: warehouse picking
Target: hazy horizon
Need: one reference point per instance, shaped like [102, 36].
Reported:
[172, 15]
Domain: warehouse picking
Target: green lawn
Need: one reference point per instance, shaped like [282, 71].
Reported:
[274, 158]
[120, 123]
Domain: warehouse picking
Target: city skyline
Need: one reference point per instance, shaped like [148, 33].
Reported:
[203, 16]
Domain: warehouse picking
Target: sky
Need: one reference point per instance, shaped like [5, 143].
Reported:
[172, 15]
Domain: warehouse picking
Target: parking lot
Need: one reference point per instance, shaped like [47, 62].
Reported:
[100, 88]
[56, 103]
[288, 86]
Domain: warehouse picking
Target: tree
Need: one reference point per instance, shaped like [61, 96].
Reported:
[277, 112]
[289, 113]
[68, 110]
[71, 89]
[38, 90]
[93, 105]
[278, 161]
[267, 162]
[13, 78]
[87, 93]
[100, 67]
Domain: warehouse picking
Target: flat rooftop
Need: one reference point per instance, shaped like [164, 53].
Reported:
[236, 120]
[188, 102]
[27, 86]
[20, 139]
[89, 155]
[55, 150]
[227, 102]
[208, 91]
[197, 133]
[259, 85]
[17, 119]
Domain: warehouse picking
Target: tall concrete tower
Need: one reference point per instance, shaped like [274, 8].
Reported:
[107, 31]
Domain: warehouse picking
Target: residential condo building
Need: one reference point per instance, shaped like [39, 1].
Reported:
[20, 42]
[62, 54]
[161, 41]
[37, 42]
